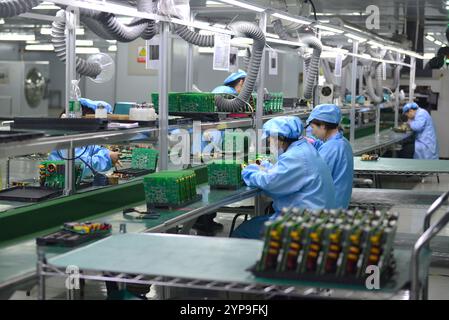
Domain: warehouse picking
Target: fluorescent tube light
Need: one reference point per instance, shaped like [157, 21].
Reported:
[16, 37]
[243, 5]
[282, 16]
[355, 37]
[39, 47]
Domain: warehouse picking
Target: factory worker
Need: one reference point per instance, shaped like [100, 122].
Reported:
[335, 150]
[99, 158]
[300, 178]
[232, 84]
[420, 121]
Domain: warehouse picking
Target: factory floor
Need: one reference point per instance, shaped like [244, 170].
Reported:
[438, 280]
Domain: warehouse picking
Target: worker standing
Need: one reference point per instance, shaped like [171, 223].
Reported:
[299, 178]
[335, 150]
[420, 121]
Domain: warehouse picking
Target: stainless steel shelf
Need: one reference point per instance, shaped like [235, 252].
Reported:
[46, 144]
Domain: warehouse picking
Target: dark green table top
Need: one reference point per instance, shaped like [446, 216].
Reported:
[400, 165]
[18, 259]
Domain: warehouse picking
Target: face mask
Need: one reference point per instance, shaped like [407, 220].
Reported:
[275, 150]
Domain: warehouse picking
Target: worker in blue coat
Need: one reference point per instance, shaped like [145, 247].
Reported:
[299, 178]
[420, 121]
[334, 148]
[232, 84]
[94, 157]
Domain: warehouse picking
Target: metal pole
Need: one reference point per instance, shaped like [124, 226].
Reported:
[40, 276]
[377, 132]
[70, 63]
[189, 63]
[397, 75]
[163, 96]
[69, 180]
[412, 78]
[70, 74]
[259, 107]
[8, 172]
[261, 82]
[355, 49]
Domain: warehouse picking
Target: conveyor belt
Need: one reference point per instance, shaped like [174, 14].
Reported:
[392, 197]
[398, 166]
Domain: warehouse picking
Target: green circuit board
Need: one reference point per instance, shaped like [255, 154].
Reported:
[52, 174]
[144, 158]
[225, 173]
[170, 188]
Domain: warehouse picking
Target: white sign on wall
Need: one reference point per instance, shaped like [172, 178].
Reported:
[222, 50]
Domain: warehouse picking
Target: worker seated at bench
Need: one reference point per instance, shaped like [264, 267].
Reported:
[420, 121]
[300, 178]
[93, 156]
[334, 148]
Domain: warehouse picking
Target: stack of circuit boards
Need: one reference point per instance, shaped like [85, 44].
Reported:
[173, 101]
[273, 102]
[144, 158]
[187, 102]
[225, 174]
[328, 245]
[170, 188]
[52, 174]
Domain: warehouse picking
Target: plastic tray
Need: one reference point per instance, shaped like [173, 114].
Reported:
[66, 124]
[67, 238]
[28, 194]
[8, 136]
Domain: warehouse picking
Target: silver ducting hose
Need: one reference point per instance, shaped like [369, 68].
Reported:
[247, 58]
[249, 30]
[194, 37]
[314, 65]
[396, 71]
[58, 39]
[369, 86]
[12, 8]
[108, 27]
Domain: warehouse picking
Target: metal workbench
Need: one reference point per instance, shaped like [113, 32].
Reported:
[201, 263]
[18, 260]
[399, 166]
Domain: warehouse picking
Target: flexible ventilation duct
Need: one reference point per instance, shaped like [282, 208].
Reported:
[194, 37]
[58, 39]
[313, 65]
[252, 31]
[12, 8]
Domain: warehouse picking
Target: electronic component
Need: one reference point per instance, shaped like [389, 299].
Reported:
[331, 245]
[52, 174]
[369, 157]
[225, 174]
[170, 188]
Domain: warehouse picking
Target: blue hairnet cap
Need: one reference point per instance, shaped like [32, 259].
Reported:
[234, 76]
[408, 106]
[325, 112]
[285, 126]
[94, 104]
[224, 89]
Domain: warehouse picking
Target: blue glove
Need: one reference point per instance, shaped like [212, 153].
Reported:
[266, 164]
[93, 104]
[249, 170]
